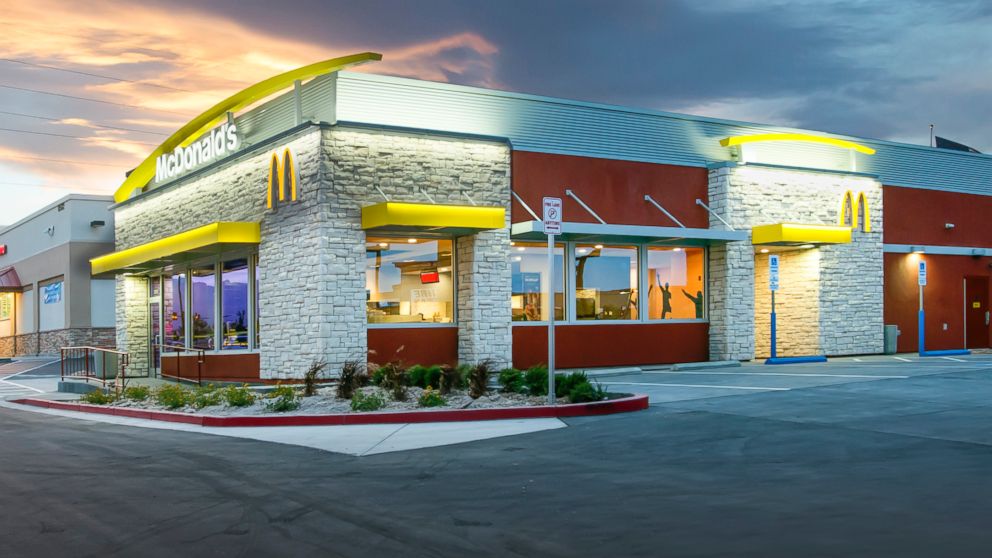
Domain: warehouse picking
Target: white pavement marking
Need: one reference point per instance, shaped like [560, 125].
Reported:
[28, 370]
[954, 359]
[798, 374]
[358, 440]
[902, 359]
[856, 360]
[751, 388]
[22, 386]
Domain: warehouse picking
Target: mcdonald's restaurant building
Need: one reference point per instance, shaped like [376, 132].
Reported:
[356, 216]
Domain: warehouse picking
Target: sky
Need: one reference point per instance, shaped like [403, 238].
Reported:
[882, 69]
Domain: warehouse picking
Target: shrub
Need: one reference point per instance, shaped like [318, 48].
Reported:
[238, 396]
[536, 380]
[311, 376]
[423, 376]
[478, 379]
[362, 402]
[394, 379]
[282, 399]
[353, 376]
[451, 379]
[585, 392]
[378, 374]
[137, 393]
[512, 380]
[173, 396]
[98, 397]
[430, 398]
[565, 383]
[207, 396]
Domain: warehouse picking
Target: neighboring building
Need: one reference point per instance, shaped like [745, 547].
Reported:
[48, 297]
[408, 229]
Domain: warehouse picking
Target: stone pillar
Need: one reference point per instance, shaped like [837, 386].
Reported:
[132, 322]
[731, 280]
[484, 283]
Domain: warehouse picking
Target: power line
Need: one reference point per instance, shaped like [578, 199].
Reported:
[92, 100]
[66, 135]
[101, 76]
[62, 121]
[60, 161]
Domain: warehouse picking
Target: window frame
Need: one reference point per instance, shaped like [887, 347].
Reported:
[454, 285]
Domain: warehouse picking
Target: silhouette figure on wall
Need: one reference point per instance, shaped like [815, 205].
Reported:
[696, 300]
[666, 301]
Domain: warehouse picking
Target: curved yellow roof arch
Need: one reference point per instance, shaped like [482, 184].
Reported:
[810, 138]
[216, 114]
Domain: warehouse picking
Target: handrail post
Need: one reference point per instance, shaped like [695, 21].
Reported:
[199, 368]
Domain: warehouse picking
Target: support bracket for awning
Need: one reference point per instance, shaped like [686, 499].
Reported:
[525, 206]
[650, 200]
[572, 195]
[713, 213]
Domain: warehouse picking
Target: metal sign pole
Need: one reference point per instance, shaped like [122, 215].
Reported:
[551, 319]
[773, 341]
[773, 266]
[922, 280]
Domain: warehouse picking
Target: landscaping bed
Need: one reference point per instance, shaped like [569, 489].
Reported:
[388, 389]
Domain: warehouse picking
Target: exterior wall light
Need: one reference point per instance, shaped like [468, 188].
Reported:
[948, 226]
[806, 246]
[917, 249]
[95, 224]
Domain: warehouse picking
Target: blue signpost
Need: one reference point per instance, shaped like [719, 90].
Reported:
[773, 269]
[921, 319]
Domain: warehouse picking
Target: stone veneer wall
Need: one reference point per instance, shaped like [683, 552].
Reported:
[49, 343]
[359, 160]
[797, 304]
[312, 254]
[850, 275]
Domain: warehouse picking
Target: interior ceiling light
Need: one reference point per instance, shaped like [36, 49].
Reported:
[411, 240]
[764, 250]
[599, 246]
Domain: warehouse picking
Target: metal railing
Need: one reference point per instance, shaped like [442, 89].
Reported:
[179, 350]
[103, 366]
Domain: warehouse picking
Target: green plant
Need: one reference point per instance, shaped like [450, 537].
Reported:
[283, 399]
[585, 392]
[512, 380]
[207, 396]
[238, 396]
[98, 397]
[173, 396]
[478, 379]
[353, 376]
[431, 398]
[395, 380]
[311, 376]
[364, 402]
[451, 379]
[137, 393]
[536, 380]
[565, 383]
[423, 376]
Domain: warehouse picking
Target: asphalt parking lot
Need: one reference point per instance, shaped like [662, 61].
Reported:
[869, 457]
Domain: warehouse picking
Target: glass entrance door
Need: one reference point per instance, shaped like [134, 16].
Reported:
[155, 316]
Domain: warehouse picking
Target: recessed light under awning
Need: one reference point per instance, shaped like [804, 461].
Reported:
[795, 234]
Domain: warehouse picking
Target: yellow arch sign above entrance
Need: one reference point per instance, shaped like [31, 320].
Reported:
[216, 114]
[755, 138]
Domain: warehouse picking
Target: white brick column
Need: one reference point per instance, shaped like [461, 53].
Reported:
[132, 322]
[484, 298]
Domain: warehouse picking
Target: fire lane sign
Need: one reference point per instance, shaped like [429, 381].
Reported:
[552, 215]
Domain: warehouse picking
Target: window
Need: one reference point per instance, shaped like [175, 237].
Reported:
[529, 268]
[605, 282]
[234, 304]
[202, 307]
[409, 281]
[174, 295]
[675, 283]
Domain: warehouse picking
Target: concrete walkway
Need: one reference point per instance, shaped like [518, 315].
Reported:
[356, 440]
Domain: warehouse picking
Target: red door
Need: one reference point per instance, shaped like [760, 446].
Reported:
[977, 311]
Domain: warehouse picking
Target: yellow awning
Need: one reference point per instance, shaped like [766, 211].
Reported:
[785, 234]
[422, 217]
[187, 245]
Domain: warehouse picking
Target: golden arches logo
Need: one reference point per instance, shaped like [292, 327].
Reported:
[282, 175]
[849, 207]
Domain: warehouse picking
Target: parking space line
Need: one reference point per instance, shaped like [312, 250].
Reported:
[902, 359]
[954, 359]
[749, 388]
[794, 374]
[22, 386]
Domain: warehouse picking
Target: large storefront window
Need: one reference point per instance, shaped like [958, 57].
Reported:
[675, 283]
[605, 282]
[409, 281]
[529, 268]
[202, 307]
[234, 304]
[173, 293]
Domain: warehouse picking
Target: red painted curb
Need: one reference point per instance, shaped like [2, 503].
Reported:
[613, 406]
